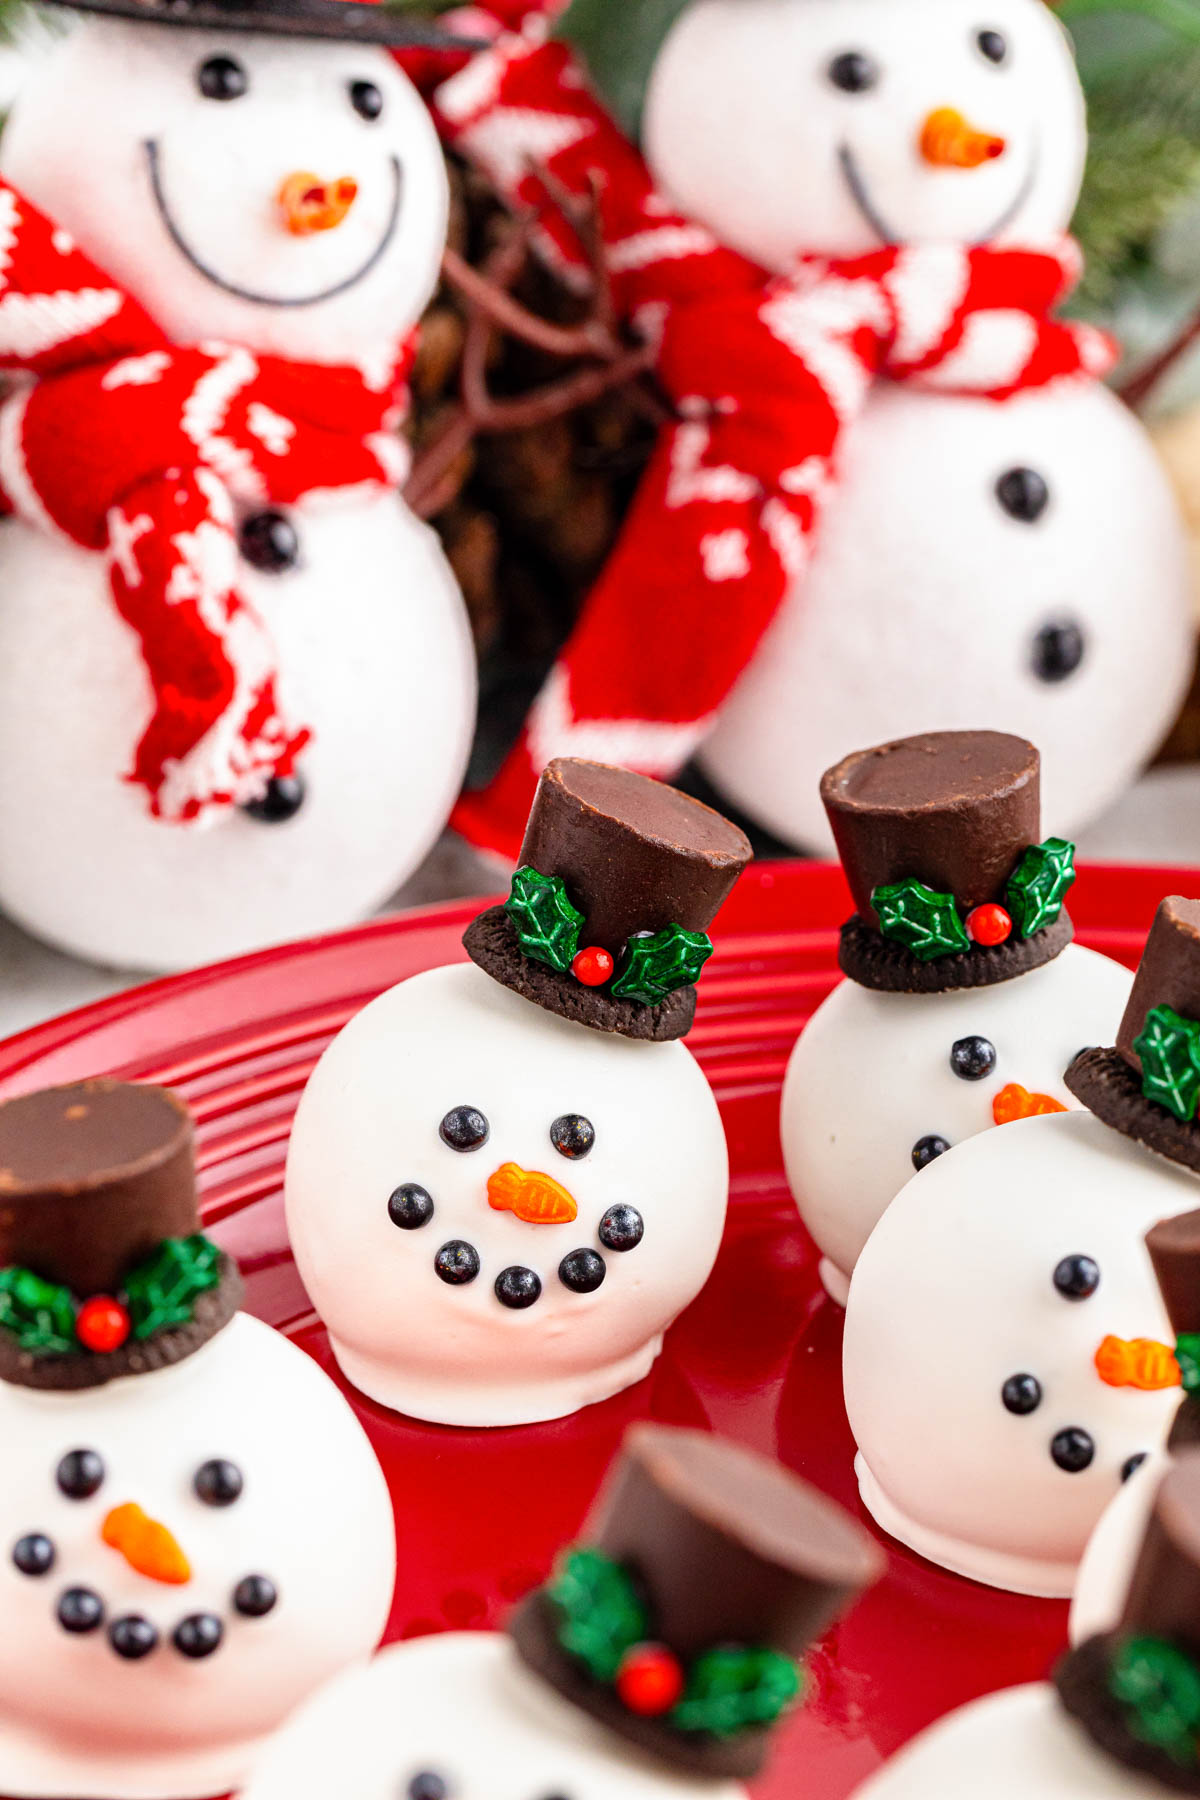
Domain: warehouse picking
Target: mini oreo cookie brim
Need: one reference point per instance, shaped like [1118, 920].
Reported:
[1108, 1087]
[873, 961]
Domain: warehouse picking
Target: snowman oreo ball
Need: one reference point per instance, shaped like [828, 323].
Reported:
[247, 687]
[1008, 1358]
[194, 1532]
[1121, 1719]
[507, 1178]
[653, 1664]
[964, 998]
[1013, 529]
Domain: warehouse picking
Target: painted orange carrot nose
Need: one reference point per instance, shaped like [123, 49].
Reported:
[536, 1198]
[1016, 1102]
[949, 141]
[146, 1545]
[1137, 1363]
[309, 205]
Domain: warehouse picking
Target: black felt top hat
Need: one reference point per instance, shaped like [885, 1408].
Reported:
[351, 21]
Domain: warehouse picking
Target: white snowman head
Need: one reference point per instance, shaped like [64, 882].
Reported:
[176, 1571]
[281, 192]
[503, 1186]
[836, 126]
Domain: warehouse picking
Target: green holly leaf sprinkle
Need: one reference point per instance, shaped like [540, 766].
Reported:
[548, 926]
[1039, 884]
[1187, 1355]
[657, 963]
[731, 1689]
[602, 1614]
[925, 922]
[163, 1291]
[1160, 1685]
[1169, 1049]
[40, 1314]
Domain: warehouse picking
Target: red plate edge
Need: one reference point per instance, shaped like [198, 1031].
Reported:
[756, 1357]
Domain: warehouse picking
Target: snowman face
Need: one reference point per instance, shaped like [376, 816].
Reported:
[176, 1568]
[286, 195]
[991, 1439]
[835, 126]
[457, 1718]
[880, 1084]
[497, 1212]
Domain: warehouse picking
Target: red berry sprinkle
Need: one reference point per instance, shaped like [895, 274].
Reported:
[989, 924]
[593, 966]
[649, 1680]
[102, 1325]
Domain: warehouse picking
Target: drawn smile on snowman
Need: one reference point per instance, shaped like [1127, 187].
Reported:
[151, 1550]
[532, 1197]
[887, 233]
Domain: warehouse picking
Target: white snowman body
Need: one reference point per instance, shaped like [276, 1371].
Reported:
[174, 194]
[369, 1123]
[464, 1709]
[313, 1517]
[987, 1439]
[872, 1077]
[1016, 1742]
[1112, 1551]
[933, 600]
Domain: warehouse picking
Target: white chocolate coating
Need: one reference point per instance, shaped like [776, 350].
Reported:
[461, 1706]
[368, 1122]
[369, 629]
[954, 1294]
[1019, 1742]
[870, 1077]
[314, 1516]
[1112, 1551]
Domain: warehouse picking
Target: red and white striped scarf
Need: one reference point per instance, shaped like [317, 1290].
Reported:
[765, 374]
[137, 449]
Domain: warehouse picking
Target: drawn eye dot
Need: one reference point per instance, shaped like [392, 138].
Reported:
[427, 1786]
[854, 72]
[993, 45]
[464, 1128]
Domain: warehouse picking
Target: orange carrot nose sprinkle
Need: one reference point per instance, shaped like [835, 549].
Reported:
[146, 1545]
[1016, 1102]
[949, 141]
[1137, 1363]
[309, 205]
[536, 1198]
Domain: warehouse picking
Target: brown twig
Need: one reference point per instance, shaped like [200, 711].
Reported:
[1139, 388]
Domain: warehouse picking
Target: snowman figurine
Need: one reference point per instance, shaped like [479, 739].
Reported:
[964, 997]
[505, 1179]
[651, 1666]
[196, 1532]
[1008, 1358]
[894, 496]
[1121, 1719]
[238, 686]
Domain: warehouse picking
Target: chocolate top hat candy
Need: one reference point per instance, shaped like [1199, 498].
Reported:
[705, 1574]
[1174, 1246]
[939, 836]
[1149, 1086]
[618, 880]
[360, 21]
[1136, 1689]
[103, 1268]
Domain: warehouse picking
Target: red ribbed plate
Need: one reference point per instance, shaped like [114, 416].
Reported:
[479, 1515]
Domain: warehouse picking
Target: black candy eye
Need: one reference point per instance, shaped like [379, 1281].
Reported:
[622, 1228]
[255, 1596]
[456, 1263]
[854, 72]
[1132, 1464]
[973, 1058]
[572, 1135]
[1024, 495]
[927, 1150]
[464, 1128]
[1077, 1277]
[1058, 649]
[269, 541]
[1022, 1394]
[410, 1207]
[1073, 1450]
[221, 78]
[33, 1555]
[366, 99]
[80, 1474]
[218, 1483]
[993, 45]
[426, 1786]
[583, 1271]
